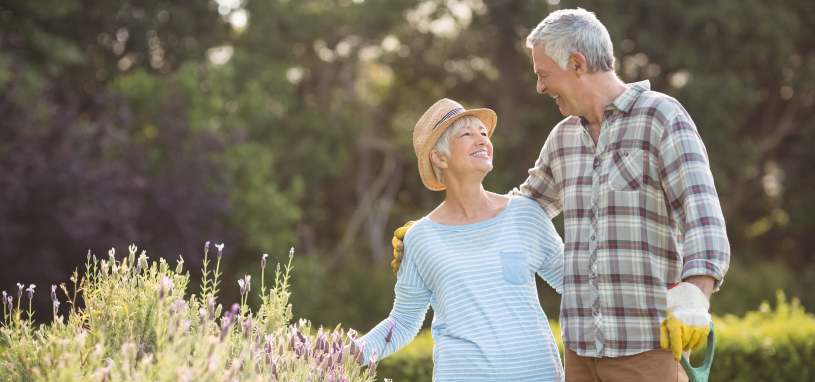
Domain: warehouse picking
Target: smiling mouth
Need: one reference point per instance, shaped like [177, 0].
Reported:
[481, 154]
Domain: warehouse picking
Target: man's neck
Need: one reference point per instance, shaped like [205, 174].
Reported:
[603, 89]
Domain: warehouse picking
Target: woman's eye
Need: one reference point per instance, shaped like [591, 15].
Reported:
[484, 134]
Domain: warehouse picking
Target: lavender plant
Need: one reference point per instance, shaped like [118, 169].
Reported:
[138, 324]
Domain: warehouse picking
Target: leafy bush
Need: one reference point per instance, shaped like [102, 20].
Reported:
[138, 325]
[769, 344]
[766, 345]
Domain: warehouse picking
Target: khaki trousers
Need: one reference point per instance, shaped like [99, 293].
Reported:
[651, 366]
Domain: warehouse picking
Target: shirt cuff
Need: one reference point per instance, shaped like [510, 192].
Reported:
[704, 268]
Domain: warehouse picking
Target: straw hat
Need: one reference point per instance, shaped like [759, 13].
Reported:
[432, 125]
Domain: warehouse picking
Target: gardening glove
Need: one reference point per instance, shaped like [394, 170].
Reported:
[398, 245]
[688, 322]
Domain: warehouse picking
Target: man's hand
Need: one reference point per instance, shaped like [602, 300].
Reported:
[398, 245]
[688, 322]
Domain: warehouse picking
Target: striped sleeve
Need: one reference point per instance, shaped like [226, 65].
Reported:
[688, 183]
[551, 269]
[412, 299]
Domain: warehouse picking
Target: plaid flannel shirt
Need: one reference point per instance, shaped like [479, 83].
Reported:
[641, 212]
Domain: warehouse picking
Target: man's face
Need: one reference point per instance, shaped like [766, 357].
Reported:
[554, 81]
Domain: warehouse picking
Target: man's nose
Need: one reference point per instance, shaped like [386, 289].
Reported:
[541, 88]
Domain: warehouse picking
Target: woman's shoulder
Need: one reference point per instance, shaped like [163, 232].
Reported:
[418, 229]
[525, 204]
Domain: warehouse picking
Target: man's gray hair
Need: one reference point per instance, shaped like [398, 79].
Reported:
[443, 144]
[567, 31]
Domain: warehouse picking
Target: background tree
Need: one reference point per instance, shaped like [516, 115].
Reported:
[270, 124]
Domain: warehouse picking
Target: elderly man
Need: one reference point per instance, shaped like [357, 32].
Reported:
[645, 238]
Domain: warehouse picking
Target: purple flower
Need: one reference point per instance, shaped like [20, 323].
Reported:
[263, 260]
[372, 362]
[389, 336]
[246, 285]
[210, 308]
[30, 291]
[220, 247]
[247, 326]
[178, 305]
[321, 343]
[226, 323]
[165, 287]
[20, 291]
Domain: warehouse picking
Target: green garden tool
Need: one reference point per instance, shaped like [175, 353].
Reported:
[701, 373]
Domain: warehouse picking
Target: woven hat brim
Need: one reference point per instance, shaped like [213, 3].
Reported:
[487, 116]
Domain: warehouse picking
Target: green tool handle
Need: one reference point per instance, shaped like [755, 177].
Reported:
[701, 373]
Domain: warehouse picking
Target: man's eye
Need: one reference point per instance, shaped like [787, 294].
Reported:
[484, 134]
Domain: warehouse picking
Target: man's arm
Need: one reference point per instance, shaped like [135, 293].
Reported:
[705, 283]
[540, 184]
[688, 183]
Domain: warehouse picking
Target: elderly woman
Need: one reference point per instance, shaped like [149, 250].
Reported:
[473, 259]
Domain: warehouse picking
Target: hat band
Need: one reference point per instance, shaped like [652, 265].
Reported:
[447, 116]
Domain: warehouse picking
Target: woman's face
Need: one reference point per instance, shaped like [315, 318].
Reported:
[470, 149]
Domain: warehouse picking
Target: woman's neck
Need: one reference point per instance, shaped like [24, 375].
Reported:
[467, 204]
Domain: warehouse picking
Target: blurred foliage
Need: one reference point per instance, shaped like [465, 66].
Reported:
[767, 344]
[277, 123]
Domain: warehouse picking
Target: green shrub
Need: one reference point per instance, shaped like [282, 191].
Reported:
[769, 344]
[138, 324]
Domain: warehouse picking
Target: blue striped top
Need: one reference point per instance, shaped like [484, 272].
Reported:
[488, 324]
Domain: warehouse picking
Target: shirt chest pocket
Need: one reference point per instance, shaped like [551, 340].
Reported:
[626, 170]
[515, 268]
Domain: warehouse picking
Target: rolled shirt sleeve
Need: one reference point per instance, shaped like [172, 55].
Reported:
[688, 184]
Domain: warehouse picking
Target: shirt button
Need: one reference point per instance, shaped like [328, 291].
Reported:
[596, 162]
[592, 237]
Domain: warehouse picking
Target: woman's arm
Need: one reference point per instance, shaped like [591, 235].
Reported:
[412, 298]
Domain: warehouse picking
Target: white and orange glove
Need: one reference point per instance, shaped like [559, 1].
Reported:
[688, 323]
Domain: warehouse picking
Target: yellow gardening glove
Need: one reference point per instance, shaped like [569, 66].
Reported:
[688, 322]
[398, 246]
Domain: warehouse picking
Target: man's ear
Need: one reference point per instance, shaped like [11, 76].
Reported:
[578, 64]
[438, 159]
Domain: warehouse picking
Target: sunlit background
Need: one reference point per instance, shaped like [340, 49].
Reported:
[274, 124]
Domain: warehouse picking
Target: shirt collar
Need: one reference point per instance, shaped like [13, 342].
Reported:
[625, 101]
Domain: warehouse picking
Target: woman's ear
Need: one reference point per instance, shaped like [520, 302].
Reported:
[438, 159]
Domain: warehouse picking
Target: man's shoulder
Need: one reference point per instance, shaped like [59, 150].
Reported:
[660, 105]
[568, 127]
